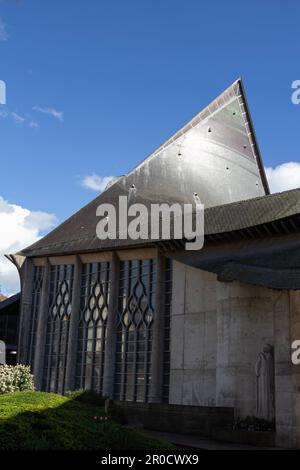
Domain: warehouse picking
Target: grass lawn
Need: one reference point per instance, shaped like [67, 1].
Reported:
[37, 420]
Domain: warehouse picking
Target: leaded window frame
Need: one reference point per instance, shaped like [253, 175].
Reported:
[58, 325]
[136, 310]
[38, 278]
[92, 325]
[168, 289]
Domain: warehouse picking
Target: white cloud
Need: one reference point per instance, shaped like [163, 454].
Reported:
[283, 177]
[33, 124]
[95, 182]
[51, 111]
[3, 33]
[20, 227]
[19, 119]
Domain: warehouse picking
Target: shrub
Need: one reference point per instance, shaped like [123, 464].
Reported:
[86, 396]
[15, 378]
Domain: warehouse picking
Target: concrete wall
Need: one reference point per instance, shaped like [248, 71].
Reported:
[217, 330]
[193, 337]
[245, 322]
[295, 389]
[181, 419]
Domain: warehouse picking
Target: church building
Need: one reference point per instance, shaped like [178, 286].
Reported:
[147, 322]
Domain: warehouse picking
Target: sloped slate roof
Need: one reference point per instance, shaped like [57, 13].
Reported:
[253, 212]
[221, 219]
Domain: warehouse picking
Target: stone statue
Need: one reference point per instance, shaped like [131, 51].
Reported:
[265, 379]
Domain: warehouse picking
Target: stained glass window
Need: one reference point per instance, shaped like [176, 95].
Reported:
[136, 307]
[59, 313]
[35, 304]
[94, 299]
[167, 332]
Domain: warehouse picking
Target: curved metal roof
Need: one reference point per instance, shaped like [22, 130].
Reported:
[215, 155]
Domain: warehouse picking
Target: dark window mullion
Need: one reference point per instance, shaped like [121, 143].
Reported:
[58, 343]
[65, 356]
[93, 353]
[146, 365]
[134, 365]
[53, 283]
[124, 360]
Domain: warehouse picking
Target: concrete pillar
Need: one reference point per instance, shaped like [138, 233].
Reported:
[157, 354]
[26, 276]
[193, 337]
[295, 335]
[110, 346]
[283, 370]
[73, 328]
[41, 329]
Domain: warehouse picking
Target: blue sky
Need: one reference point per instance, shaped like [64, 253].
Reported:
[94, 86]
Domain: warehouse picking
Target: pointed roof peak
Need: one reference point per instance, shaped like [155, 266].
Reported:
[222, 99]
[235, 91]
